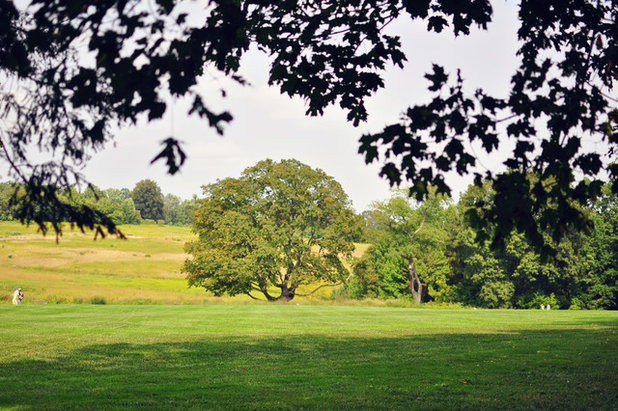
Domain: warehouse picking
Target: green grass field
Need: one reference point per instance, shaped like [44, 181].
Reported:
[275, 356]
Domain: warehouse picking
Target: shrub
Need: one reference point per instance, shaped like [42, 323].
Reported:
[576, 304]
[98, 300]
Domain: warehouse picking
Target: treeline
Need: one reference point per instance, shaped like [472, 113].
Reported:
[423, 251]
[427, 251]
[145, 203]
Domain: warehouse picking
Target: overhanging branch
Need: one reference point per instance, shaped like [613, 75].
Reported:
[11, 163]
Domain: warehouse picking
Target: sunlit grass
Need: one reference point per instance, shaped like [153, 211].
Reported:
[144, 268]
[274, 356]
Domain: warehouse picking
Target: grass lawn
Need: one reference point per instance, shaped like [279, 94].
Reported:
[275, 356]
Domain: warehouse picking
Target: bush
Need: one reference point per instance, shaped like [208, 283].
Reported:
[98, 300]
[355, 289]
[58, 299]
[576, 304]
[534, 301]
[496, 294]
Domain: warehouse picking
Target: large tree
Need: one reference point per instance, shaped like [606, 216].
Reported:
[148, 199]
[278, 227]
[78, 68]
[406, 233]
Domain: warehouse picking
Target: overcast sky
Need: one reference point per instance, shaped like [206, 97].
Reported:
[269, 125]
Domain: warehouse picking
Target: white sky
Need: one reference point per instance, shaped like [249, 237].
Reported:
[269, 125]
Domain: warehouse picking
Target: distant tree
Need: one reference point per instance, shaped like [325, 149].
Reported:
[118, 204]
[6, 191]
[115, 204]
[148, 199]
[171, 203]
[279, 226]
[118, 195]
[381, 272]
[186, 211]
[600, 253]
[179, 212]
[129, 214]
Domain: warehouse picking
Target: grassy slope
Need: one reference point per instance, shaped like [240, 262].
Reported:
[144, 268]
[265, 356]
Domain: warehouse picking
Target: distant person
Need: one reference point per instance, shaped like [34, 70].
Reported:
[21, 296]
[16, 296]
[542, 306]
[548, 307]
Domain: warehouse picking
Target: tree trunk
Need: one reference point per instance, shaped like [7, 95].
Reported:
[287, 293]
[416, 287]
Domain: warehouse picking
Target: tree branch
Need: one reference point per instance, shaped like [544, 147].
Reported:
[422, 221]
[419, 227]
[324, 285]
[10, 160]
[255, 298]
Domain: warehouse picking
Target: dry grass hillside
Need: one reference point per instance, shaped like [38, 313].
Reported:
[143, 269]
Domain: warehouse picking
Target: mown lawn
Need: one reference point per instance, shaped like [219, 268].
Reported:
[275, 356]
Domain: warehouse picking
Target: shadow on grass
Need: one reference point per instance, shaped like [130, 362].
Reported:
[564, 369]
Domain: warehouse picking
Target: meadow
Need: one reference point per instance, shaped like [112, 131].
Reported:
[276, 356]
[144, 269]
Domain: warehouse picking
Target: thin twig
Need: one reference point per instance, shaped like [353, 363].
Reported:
[8, 158]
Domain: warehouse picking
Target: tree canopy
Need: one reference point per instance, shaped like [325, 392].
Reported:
[406, 235]
[148, 199]
[78, 68]
[454, 268]
[278, 227]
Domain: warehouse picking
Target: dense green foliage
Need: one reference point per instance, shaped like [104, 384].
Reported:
[406, 241]
[148, 199]
[455, 267]
[6, 191]
[451, 266]
[280, 225]
[116, 204]
[177, 211]
[270, 357]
